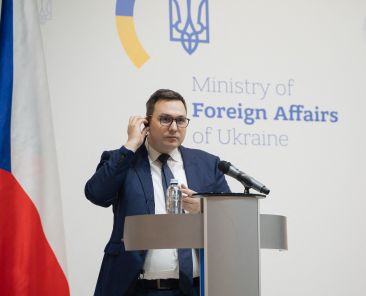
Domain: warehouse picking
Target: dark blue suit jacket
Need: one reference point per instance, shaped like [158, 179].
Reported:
[123, 180]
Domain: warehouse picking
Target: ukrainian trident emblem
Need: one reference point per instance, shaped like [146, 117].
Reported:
[189, 23]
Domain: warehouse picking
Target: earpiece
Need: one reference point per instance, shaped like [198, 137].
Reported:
[147, 129]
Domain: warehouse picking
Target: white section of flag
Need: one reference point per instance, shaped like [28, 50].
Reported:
[33, 153]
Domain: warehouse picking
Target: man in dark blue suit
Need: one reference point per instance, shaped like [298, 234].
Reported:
[130, 179]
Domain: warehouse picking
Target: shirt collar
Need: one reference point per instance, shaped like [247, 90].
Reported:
[153, 154]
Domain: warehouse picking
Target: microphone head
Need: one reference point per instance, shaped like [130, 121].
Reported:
[265, 190]
[224, 166]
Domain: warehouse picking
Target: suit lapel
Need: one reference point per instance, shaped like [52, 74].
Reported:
[191, 169]
[142, 167]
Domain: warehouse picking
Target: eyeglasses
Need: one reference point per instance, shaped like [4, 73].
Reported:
[180, 121]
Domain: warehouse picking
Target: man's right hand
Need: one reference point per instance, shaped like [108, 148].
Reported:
[136, 135]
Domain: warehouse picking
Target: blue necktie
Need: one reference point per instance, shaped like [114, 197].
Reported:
[184, 255]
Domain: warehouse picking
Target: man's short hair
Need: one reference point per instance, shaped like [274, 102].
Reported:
[163, 94]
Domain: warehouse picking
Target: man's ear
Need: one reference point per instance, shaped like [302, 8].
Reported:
[147, 128]
[148, 121]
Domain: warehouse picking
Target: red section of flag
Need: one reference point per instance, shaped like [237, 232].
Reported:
[28, 265]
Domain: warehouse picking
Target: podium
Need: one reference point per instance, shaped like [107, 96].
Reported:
[231, 231]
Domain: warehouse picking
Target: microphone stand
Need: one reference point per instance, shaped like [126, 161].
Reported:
[246, 187]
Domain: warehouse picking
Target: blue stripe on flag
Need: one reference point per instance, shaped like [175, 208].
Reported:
[6, 81]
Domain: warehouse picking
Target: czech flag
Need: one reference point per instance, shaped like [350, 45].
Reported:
[32, 258]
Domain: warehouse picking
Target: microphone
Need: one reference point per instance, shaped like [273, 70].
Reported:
[228, 169]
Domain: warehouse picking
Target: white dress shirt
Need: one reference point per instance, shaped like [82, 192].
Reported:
[163, 263]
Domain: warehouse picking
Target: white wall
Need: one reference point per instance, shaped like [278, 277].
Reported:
[316, 180]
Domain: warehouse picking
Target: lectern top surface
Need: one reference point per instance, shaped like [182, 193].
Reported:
[211, 194]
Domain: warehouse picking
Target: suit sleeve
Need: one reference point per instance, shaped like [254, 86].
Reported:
[103, 187]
